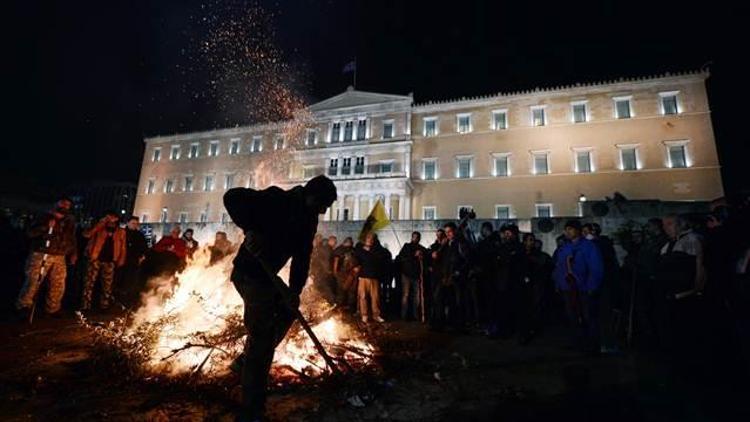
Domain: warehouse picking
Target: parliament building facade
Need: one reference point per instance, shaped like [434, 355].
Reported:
[525, 154]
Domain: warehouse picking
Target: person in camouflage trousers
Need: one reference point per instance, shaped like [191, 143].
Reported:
[52, 241]
[106, 250]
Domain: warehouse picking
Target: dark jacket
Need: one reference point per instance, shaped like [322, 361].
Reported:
[408, 263]
[62, 241]
[370, 262]
[285, 225]
[135, 246]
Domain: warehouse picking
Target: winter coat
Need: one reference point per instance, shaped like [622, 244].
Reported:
[587, 266]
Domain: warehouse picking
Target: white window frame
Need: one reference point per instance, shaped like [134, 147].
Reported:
[678, 143]
[343, 131]
[330, 132]
[364, 165]
[226, 180]
[280, 139]
[197, 150]
[493, 163]
[458, 209]
[258, 138]
[380, 166]
[493, 120]
[576, 151]
[460, 116]
[629, 99]
[309, 132]
[355, 130]
[534, 108]
[391, 122]
[164, 216]
[540, 205]
[546, 152]
[205, 183]
[431, 208]
[424, 126]
[234, 146]
[156, 155]
[144, 217]
[635, 147]
[225, 218]
[424, 168]
[508, 206]
[203, 218]
[585, 104]
[329, 166]
[150, 186]
[676, 95]
[182, 217]
[174, 155]
[211, 151]
[185, 185]
[169, 185]
[471, 165]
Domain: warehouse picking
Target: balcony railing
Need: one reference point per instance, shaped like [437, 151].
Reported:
[359, 171]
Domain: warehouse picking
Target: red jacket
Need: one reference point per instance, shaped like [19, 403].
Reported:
[170, 244]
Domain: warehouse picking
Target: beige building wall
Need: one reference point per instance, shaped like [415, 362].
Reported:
[403, 189]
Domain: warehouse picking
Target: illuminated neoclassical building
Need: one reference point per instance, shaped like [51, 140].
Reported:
[509, 155]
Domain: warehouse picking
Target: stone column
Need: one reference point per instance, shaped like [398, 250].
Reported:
[341, 200]
[388, 204]
[356, 208]
[401, 213]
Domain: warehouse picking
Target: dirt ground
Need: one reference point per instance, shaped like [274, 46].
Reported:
[48, 372]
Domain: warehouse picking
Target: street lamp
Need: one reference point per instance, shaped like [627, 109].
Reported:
[582, 198]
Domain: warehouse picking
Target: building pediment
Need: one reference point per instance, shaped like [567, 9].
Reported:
[352, 98]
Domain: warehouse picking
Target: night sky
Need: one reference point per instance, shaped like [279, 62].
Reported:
[86, 81]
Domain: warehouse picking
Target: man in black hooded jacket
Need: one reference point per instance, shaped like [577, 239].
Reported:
[278, 225]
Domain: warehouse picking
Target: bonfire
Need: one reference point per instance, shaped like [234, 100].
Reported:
[191, 325]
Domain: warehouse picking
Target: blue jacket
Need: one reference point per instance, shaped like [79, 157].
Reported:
[588, 266]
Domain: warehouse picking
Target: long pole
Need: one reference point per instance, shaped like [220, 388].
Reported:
[284, 291]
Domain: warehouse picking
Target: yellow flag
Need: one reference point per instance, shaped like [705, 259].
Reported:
[377, 219]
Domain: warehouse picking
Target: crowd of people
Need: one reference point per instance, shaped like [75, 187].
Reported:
[116, 260]
[678, 278]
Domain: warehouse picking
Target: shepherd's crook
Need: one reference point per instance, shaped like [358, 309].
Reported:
[284, 291]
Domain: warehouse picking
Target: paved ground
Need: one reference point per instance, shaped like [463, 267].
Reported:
[48, 371]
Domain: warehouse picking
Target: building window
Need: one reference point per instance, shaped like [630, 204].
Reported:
[429, 169]
[583, 162]
[386, 166]
[541, 163]
[501, 165]
[502, 212]
[348, 131]
[622, 107]
[429, 213]
[224, 218]
[156, 155]
[257, 145]
[169, 186]
[464, 168]
[150, 186]
[544, 210]
[580, 114]
[463, 123]
[346, 214]
[164, 215]
[213, 149]
[278, 143]
[333, 167]
[499, 119]
[203, 217]
[346, 166]
[335, 132]
[144, 218]
[229, 181]
[669, 103]
[194, 151]
[234, 147]
[361, 129]
[629, 158]
[430, 126]
[188, 184]
[208, 184]
[174, 153]
[677, 156]
[183, 218]
[359, 165]
[538, 117]
[387, 129]
[312, 137]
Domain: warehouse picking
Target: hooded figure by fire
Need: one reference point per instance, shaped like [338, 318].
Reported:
[278, 225]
